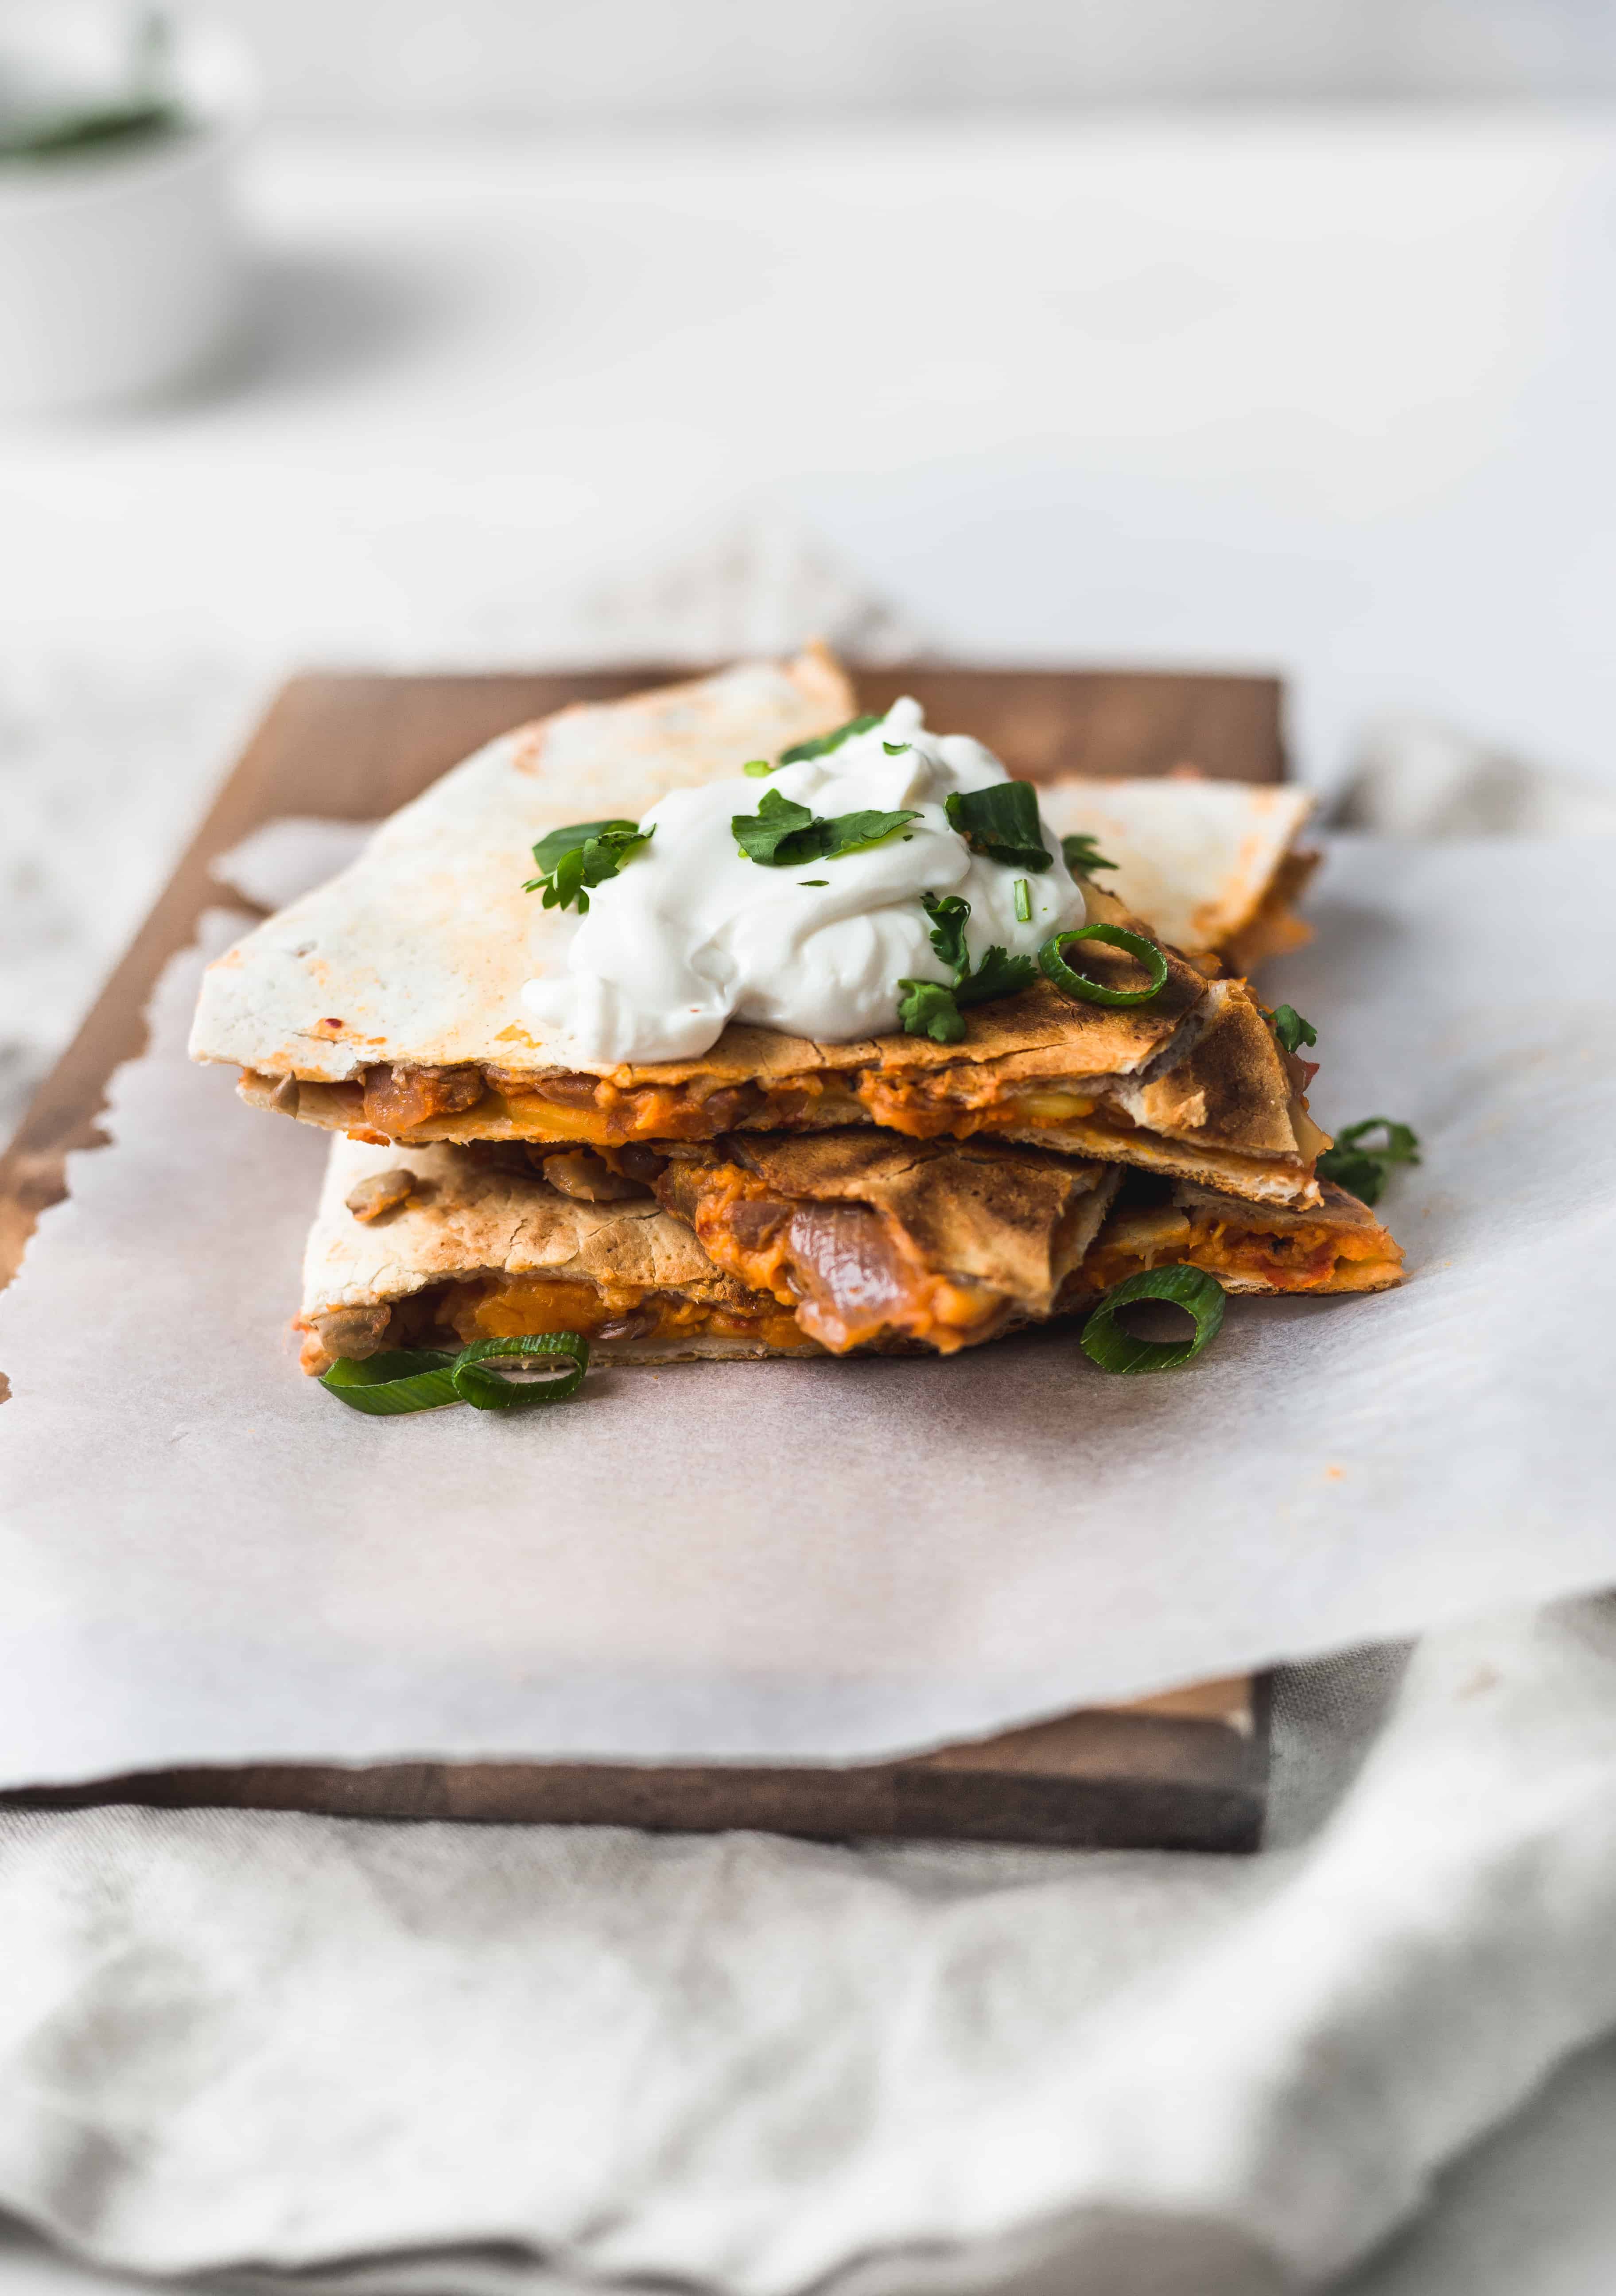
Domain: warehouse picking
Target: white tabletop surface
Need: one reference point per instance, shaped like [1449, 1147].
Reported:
[1324, 394]
[1331, 395]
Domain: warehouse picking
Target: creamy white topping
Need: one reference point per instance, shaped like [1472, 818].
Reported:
[691, 933]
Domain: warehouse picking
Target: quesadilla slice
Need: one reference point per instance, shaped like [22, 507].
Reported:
[854, 1242]
[874, 1238]
[389, 1002]
[437, 1247]
[1213, 864]
[1338, 1247]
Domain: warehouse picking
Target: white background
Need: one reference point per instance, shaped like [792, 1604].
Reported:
[570, 61]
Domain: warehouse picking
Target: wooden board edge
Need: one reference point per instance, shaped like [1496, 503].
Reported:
[1111, 1778]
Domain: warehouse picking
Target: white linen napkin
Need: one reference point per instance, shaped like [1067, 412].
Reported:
[397, 2058]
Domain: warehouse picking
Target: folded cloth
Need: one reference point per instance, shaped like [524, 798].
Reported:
[408, 2057]
[1419, 778]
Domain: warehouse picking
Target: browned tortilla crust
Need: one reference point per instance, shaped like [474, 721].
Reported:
[1342, 1246]
[874, 1239]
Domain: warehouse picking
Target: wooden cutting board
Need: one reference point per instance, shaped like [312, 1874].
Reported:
[1188, 1770]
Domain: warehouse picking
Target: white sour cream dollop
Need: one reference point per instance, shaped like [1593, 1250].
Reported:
[691, 934]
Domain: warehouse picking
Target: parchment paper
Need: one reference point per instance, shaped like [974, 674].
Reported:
[207, 1558]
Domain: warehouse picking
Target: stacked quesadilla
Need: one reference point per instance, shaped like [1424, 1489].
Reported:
[919, 1188]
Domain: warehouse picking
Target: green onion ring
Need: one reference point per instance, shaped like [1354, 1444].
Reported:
[1106, 1343]
[398, 1379]
[1078, 984]
[425, 1379]
[490, 1390]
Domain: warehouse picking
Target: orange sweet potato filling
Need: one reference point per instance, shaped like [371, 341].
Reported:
[512, 1307]
[841, 1265]
[1304, 1259]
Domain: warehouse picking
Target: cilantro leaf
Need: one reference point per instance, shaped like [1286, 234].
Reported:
[998, 974]
[780, 835]
[1362, 1171]
[571, 860]
[936, 1013]
[783, 835]
[1356, 1171]
[856, 832]
[549, 850]
[926, 1008]
[1082, 855]
[823, 743]
[1002, 821]
[948, 914]
[1291, 1031]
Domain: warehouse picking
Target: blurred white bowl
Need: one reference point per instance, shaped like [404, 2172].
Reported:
[121, 267]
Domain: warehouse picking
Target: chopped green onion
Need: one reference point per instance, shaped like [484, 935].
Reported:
[1023, 901]
[425, 1379]
[398, 1379]
[491, 1390]
[1105, 1342]
[755, 768]
[1362, 1171]
[1078, 984]
[806, 882]
[896, 749]
[823, 743]
[1291, 1030]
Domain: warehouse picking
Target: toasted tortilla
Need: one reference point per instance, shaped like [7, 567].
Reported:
[874, 1239]
[386, 1002]
[449, 1245]
[417, 952]
[828, 1242]
[1338, 1246]
[1212, 863]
